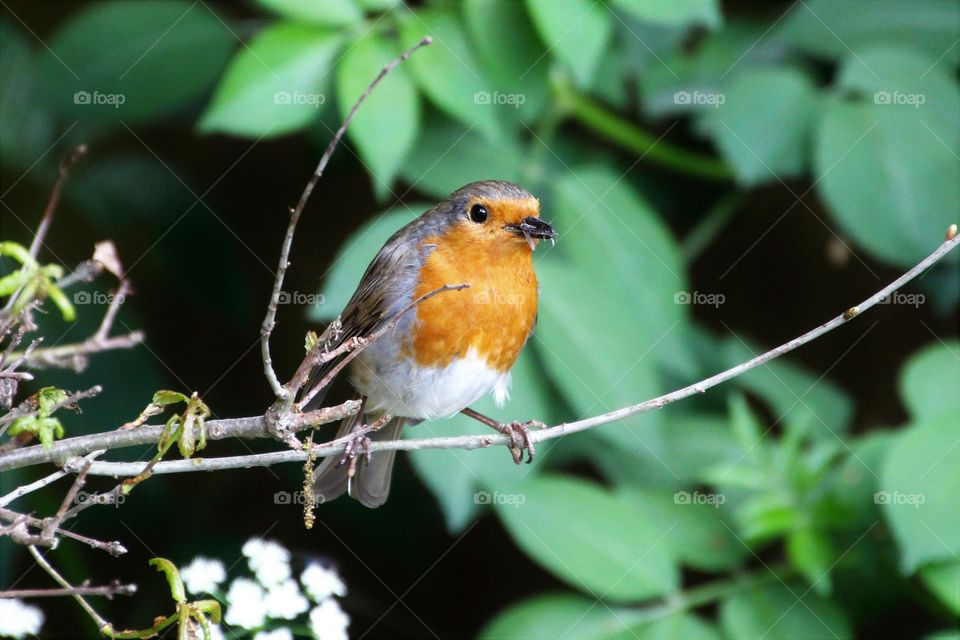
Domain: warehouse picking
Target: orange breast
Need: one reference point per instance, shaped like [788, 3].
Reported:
[494, 316]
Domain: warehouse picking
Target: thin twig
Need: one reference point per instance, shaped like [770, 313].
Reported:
[43, 482]
[356, 345]
[256, 426]
[115, 588]
[97, 618]
[270, 320]
[114, 547]
[45, 222]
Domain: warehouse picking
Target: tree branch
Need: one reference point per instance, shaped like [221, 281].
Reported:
[256, 426]
[269, 321]
[115, 588]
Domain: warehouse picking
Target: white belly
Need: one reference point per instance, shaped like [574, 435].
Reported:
[406, 389]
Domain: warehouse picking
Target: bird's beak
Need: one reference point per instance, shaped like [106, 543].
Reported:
[533, 229]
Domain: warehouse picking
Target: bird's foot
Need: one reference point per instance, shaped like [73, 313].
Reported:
[357, 449]
[519, 433]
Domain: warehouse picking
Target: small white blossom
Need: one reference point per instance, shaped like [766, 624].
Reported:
[277, 634]
[216, 633]
[285, 601]
[268, 560]
[322, 582]
[18, 619]
[328, 621]
[247, 607]
[203, 575]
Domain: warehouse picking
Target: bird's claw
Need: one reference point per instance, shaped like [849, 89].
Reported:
[357, 448]
[519, 433]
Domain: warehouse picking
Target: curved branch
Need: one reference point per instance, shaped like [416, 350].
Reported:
[256, 426]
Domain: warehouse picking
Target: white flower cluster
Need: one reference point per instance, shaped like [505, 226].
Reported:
[18, 619]
[274, 594]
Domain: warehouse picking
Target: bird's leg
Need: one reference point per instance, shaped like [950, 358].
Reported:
[519, 433]
[359, 446]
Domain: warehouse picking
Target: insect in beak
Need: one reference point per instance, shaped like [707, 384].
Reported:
[533, 229]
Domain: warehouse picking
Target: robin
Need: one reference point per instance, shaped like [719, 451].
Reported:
[450, 349]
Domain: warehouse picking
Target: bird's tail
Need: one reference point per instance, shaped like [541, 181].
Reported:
[370, 484]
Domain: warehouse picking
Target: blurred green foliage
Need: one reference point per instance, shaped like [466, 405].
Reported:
[766, 504]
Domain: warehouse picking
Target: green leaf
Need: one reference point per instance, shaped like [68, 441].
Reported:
[594, 541]
[793, 393]
[47, 399]
[944, 581]
[275, 85]
[26, 128]
[567, 616]
[386, 127]
[173, 578]
[767, 515]
[62, 302]
[699, 536]
[336, 13]
[454, 155]
[919, 488]
[746, 427]
[890, 177]
[126, 60]
[595, 208]
[672, 13]
[350, 263]
[812, 553]
[575, 31]
[464, 482]
[165, 397]
[930, 379]
[834, 30]
[498, 26]
[764, 123]
[595, 370]
[786, 611]
[448, 72]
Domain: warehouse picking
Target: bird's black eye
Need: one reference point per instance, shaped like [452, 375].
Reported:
[478, 213]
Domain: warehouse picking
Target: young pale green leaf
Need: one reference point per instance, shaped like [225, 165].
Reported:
[575, 31]
[448, 72]
[18, 252]
[594, 541]
[930, 379]
[762, 122]
[767, 515]
[334, 13]
[919, 488]
[62, 302]
[46, 430]
[165, 397]
[350, 263]
[47, 400]
[521, 85]
[173, 578]
[812, 553]
[386, 128]
[127, 60]
[673, 13]
[275, 85]
[772, 611]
